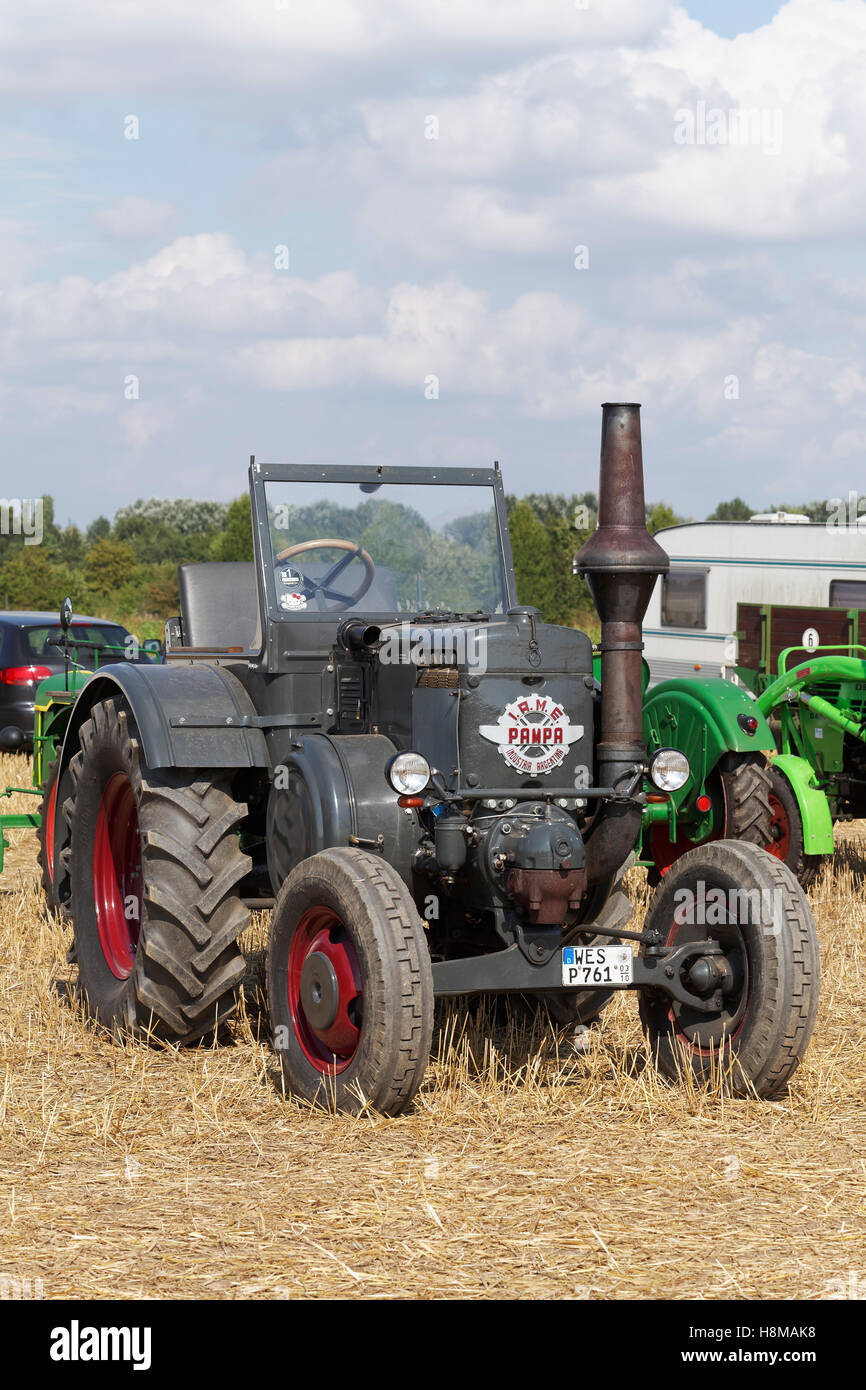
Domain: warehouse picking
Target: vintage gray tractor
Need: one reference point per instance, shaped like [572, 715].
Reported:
[441, 796]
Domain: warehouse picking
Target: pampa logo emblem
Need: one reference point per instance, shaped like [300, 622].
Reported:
[534, 734]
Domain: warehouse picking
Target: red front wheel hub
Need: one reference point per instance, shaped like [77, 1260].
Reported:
[117, 875]
[325, 996]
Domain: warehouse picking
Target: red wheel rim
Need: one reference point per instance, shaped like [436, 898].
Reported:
[325, 997]
[49, 830]
[117, 875]
[780, 829]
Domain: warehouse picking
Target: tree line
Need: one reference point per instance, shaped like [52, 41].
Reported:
[125, 569]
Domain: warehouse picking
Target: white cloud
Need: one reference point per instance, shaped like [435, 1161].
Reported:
[555, 127]
[135, 219]
[181, 46]
[526, 154]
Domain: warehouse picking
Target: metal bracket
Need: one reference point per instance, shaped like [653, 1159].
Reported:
[377, 846]
[245, 721]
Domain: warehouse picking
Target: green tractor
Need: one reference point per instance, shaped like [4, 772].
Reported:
[737, 778]
[54, 701]
[714, 774]
[807, 672]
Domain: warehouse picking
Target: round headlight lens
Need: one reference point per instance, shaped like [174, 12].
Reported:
[669, 769]
[409, 773]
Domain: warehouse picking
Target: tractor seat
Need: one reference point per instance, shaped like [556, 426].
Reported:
[219, 605]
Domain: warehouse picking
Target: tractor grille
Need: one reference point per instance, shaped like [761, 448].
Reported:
[352, 697]
[439, 677]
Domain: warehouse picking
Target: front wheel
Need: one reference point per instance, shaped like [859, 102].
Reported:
[789, 840]
[350, 985]
[750, 904]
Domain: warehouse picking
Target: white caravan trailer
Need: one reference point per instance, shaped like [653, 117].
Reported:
[690, 625]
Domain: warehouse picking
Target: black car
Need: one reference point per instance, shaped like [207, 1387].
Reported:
[29, 654]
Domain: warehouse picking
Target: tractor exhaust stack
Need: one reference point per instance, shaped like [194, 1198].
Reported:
[621, 563]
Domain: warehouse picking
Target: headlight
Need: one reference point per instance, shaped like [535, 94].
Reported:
[408, 773]
[669, 769]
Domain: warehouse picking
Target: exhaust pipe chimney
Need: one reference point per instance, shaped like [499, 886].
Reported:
[621, 563]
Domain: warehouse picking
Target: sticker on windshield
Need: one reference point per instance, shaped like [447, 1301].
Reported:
[290, 601]
[290, 578]
[534, 734]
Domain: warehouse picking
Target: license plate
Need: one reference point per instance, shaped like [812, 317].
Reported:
[597, 965]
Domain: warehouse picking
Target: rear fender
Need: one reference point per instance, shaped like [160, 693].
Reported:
[161, 697]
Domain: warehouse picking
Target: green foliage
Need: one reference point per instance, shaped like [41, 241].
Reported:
[108, 566]
[547, 530]
[185, 515]
[659, 515]
[735, 510]
[234, 541]
[29, 580]
[160, 594]
[98, 530]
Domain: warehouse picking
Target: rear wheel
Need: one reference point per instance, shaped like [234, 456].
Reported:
[789, 841]
[750, 904]
[154, 872]
[350, 985]
[739, 794]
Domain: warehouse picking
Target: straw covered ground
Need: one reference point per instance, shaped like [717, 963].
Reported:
[526, 1168]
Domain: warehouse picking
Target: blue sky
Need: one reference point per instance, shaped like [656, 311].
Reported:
[432, 171]
[731, 17]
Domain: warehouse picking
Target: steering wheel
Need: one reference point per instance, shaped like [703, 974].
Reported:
[322, 587]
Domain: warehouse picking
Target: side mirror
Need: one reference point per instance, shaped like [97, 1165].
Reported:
[66, 613]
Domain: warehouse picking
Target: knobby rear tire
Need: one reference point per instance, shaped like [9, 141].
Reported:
[187, 962]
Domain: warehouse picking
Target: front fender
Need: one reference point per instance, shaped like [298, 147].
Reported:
[700, 718]
[813, 804]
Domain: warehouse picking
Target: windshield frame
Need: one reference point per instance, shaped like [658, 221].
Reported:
[262, 473]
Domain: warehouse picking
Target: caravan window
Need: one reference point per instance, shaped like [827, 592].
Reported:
[848, 593]
[684, 598]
